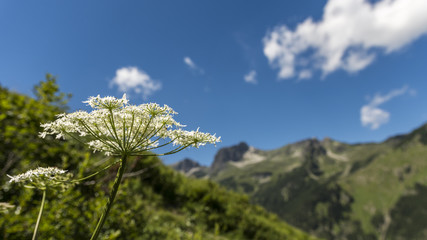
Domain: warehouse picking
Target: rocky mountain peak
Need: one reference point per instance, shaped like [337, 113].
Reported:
[327, 140]
[310, 146]
[229, 154]
[185, 165]
[313, 147]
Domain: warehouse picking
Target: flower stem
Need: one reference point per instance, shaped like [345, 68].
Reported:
[40, 216]
[96, 173]
[110, 198]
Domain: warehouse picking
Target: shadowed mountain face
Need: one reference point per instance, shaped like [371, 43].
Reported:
[333, 189]
[191, 168]
[230, 154]
[185, 165]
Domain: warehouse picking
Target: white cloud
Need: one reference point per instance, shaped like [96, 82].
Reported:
[305, 74]
[190, 63]
[134, 79]
[371, 115]
[251, 77]
[347, 36]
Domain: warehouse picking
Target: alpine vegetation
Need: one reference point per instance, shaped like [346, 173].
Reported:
[119, 129]
[44, 179]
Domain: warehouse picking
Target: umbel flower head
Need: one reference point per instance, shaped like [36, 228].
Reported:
[118, 128]
[5, 207]
[43, 178]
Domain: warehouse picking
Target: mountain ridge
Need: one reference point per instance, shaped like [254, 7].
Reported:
[333, 189]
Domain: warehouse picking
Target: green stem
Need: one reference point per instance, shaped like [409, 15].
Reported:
[110, 198]
[40, 216]
[96, 173]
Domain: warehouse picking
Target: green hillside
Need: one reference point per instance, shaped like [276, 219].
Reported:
[154, 201]
[336, 190]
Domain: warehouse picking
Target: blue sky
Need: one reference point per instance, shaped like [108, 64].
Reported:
[265, 73]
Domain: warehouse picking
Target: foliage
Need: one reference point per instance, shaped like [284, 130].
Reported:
[154, 201]
[47, 92]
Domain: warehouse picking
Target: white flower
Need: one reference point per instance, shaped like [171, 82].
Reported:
[5, 207]
[117, 128]
[106, 102]
[42, 178]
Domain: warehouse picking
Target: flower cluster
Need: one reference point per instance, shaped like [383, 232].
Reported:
[43, 178]
[5, 207]
[118, 128]
[107, 102]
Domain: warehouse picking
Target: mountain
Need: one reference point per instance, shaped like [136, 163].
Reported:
[190, 168]
[226, 155]
[333, 189]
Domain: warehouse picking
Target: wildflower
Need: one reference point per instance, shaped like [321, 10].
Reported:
[43, 178]
[117, 128]
[5, 207]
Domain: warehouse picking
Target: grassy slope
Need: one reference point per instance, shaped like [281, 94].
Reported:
[389, 177]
